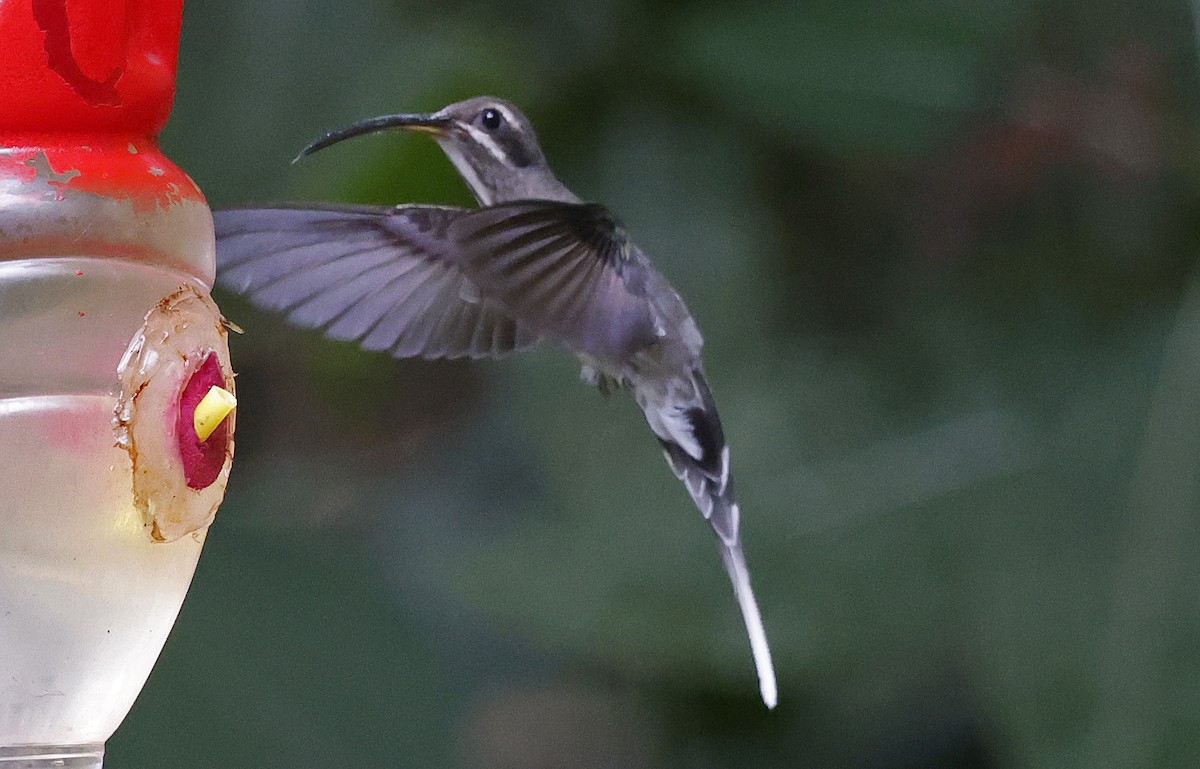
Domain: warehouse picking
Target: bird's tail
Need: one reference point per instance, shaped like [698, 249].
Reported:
[708, 480]
[735, 564]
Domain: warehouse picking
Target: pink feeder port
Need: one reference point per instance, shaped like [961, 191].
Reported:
[202, 458]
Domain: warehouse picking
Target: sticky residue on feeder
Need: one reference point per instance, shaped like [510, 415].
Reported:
[180, 354]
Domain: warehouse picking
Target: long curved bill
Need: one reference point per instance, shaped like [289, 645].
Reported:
[425, 123]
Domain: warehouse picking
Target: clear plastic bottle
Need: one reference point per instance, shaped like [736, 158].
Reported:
[97, 228]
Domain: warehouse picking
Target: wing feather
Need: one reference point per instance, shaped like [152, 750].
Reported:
[383, 277]
[562, 270]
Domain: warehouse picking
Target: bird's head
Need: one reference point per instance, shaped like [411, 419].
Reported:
[490, 142]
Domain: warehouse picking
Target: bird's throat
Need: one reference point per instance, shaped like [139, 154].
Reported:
[466, 169]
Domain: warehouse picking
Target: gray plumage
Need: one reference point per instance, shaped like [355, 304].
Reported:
[532, 262]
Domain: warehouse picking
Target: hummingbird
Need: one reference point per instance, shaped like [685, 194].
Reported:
[532, 262]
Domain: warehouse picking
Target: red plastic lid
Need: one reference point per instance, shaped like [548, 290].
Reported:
[85, 87]
[88, 65]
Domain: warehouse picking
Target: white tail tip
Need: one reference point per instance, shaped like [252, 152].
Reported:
[735, 564]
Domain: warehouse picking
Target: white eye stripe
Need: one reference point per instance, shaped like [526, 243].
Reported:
[482, 137]
[508, 116]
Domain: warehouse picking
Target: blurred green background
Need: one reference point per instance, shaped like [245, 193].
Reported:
[944, 256]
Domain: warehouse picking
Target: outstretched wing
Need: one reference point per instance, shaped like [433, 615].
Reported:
[377, 276]
[563, 269]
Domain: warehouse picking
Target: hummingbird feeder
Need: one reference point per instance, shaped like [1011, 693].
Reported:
[116, 435]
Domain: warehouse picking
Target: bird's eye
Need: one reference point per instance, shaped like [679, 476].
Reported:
[491, 118]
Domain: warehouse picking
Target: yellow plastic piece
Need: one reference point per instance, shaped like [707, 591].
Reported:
[212, 410]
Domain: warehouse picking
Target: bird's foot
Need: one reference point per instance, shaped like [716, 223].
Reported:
[606, 384]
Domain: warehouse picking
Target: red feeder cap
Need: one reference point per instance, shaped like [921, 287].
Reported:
[88, 65]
